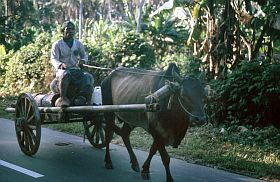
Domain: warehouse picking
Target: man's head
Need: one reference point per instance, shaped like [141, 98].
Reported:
[68, 30]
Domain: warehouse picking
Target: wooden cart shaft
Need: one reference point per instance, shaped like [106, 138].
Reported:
[95, 109]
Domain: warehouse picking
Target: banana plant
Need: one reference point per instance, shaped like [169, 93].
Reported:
[166, 28]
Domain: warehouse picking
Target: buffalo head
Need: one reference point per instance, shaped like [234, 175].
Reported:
[192, 94]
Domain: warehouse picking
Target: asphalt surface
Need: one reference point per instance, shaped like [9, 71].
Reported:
[64, 157]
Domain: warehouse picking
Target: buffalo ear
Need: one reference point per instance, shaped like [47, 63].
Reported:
[176, 76]
[209, 92]
[202, 75]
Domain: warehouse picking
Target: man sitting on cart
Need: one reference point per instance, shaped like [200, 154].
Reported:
[68, 56]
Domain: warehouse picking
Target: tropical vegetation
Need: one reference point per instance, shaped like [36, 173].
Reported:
[232, 45]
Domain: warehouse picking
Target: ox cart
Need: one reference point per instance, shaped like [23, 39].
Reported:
[31, 111]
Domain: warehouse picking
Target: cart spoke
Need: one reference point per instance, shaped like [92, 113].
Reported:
[25, 106]
[24, 141]
[102, 136]
[91, 123]
[21, 136]
[94, 130]
[21, 110]
[92, 134]
[97, 137]
[32, 127]
[29, 110]
[31, 119]
[18, 127]
[30, 139]
[31, 133]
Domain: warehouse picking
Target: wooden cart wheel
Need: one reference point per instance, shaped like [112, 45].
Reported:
[27, 124]
[95, 131]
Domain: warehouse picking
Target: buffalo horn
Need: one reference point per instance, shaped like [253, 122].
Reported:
[176, 76]
[202, 74]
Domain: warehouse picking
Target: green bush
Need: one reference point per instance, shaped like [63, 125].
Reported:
[128, 50]
[26, 70]
[2, 50]
[133, 51]
[193, 66]
[4, 58]
[29, 69]
[249, 96]
[112, 45]
[100, 56]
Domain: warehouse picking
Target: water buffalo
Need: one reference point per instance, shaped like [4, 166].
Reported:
[167, 126]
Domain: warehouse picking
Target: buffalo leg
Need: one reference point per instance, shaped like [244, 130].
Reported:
[145, 173]
[166, 161]
[108, 137]
[125, 132]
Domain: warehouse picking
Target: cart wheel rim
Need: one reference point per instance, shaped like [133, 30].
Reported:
[95, 132]
[27, 124]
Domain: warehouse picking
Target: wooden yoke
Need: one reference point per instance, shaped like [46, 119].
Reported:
[167, 90]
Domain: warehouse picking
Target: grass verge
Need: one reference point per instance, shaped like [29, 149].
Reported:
[4, 103]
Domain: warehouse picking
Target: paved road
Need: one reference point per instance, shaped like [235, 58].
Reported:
[80, 162]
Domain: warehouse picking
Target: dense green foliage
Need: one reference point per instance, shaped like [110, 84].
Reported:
[19, 28]
[167, 34]
[26, 69]
[247, 91]
[218, 37]
[29, 69]
[133, 51]
[249, 96]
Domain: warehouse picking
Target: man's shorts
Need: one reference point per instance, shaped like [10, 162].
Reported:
[78, 79]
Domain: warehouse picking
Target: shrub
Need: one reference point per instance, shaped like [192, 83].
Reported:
[133, 51]
[250, 95]
[111, 45]
[100, 56]
[2, 50]
[26, 70]
[4, 58]
[128, 51]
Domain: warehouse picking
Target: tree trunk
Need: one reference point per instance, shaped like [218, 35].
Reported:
[35, 4]
[139, 18]
[81, 20]
[130, 7]
[260, 39]
[109, 16]
[8, 7]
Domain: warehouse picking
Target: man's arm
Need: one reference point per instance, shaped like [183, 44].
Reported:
[55, 56]
[83, 54]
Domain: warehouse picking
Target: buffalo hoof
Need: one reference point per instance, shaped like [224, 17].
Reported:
[109, 166]
[170, 180]
[145, 175]
[135, 168]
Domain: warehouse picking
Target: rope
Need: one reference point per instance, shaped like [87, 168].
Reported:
[149, 74]
[187, 110]
[96, 67]
[153, 97]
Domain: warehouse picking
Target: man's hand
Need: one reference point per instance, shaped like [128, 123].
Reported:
[62, 66]
[81, 64]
